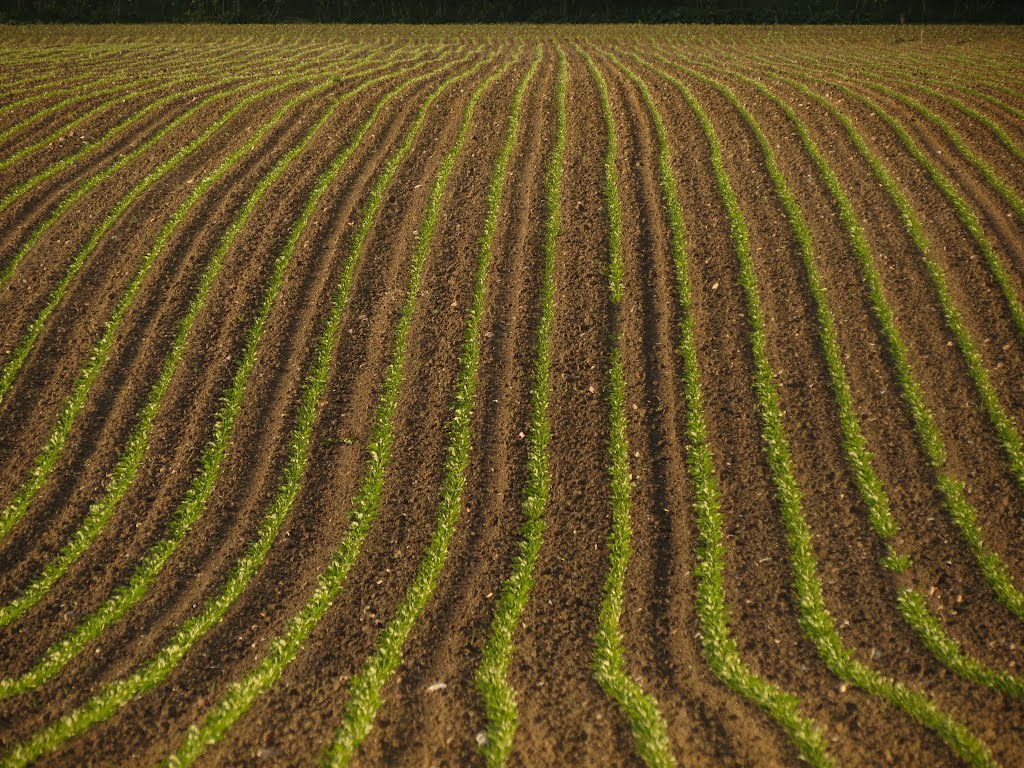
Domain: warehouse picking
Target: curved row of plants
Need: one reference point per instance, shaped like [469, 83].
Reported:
[929, 436]
[650, 731]
[872, 492]
[115, 694]
[125, 471]
[491, 677]
[814, 616]
[365, 505]
[204, 480]
[713, 613]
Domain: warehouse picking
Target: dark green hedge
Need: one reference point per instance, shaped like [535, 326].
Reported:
[652, 11]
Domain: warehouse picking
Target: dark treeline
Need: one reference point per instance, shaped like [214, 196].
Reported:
[439, 11]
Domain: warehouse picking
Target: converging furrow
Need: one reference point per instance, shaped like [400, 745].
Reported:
[649, 728]
[815, 618]
[510, 394]
[113, 695]
[492, 675]
[719, 646]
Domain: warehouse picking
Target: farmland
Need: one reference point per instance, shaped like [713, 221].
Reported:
[512, 395]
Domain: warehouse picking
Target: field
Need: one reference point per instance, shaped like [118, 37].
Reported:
[541, 396]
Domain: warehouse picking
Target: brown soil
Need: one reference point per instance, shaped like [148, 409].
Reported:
[565, 718]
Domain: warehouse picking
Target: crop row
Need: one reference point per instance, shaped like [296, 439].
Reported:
[203, 483]
[450, 94]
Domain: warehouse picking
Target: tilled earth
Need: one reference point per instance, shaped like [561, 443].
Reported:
[137, 473]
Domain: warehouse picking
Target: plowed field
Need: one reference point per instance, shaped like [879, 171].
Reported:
[540, 396]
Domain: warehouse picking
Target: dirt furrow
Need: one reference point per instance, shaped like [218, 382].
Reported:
[447, 648]
[298, 73]
[560, 618]
[339, 645]
[111, 411]
[974, 454]
[1003, 224]
[65, 198]
[667, 623]
[860, 593]
[35, 122]
[205, 75]
[765, 618]
[191, 403]
[45, 264]
[308, 538]
[660, 625]
[940, 558]
[910, 483]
